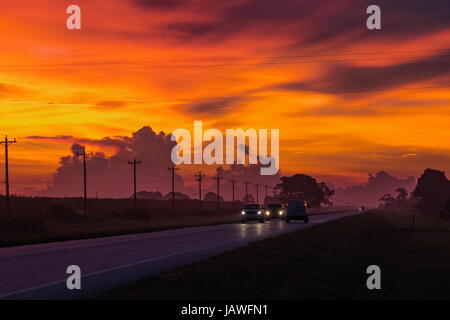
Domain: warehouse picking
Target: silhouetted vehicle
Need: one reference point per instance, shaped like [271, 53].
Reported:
[252, 211]
[296, 210]
[275, 211]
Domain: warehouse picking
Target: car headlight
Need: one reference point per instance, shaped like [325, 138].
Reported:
[267, 212]
[259, 212]
[281, 212]
[242, 212]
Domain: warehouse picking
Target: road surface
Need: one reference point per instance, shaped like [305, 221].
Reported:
[39, 271]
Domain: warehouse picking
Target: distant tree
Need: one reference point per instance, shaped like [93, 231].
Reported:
[178, 196]
[445, 213]
[327, 193]
[149, 195]
[432, 190]
[269, 199]
[402, 194]
[301, 186]
[248, 199]
[388, 200]
[211, 196]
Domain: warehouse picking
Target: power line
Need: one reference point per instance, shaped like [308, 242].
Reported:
[315, 90]
[318, 90]
[228, 65]
[222, 59]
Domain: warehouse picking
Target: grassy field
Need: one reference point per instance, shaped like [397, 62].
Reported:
[326, 261]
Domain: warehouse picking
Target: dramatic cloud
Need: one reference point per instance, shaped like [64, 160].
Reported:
[348, 79]
[112, 176]
[342, 21]
[161, 4]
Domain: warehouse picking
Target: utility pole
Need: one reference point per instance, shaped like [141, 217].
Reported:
[232, 189]
[134, 163]
[246, 191]
[218, 178]
[199, 177]
[257, 192]
[173, 169]
[84, 178]
[7, 143]
[265, 197]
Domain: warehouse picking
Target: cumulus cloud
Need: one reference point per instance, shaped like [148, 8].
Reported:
[111, 176]
[377, 185]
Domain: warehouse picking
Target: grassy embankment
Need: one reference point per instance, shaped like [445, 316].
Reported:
[22, 231]
[326, 261]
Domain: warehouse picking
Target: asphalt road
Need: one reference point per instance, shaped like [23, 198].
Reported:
[39, 271]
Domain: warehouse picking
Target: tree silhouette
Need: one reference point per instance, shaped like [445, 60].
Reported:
[327, 193]
[248, 199]
[301, 187]
[388, 200]
[211, 196]
[432, 190]
[178, 196]
[402, 194]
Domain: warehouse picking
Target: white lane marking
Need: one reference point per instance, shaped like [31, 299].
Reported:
[12, 294]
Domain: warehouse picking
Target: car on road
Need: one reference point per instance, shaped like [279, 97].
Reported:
[296, 210]
[252, 211]
[275, 211]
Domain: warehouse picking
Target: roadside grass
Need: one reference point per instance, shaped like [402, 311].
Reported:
[31, 232]
[326, 261]
[62, 223]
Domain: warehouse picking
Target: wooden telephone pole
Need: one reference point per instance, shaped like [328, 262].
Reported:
[246, 191]
[173, 169]
[134, 163]
[232, 190]
[84, 155]
[6, 143]
[199, 177]
[218, 178]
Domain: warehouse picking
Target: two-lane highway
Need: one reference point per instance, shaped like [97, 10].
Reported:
[39, 271]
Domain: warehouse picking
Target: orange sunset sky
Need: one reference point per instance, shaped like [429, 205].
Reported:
[347, 100]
